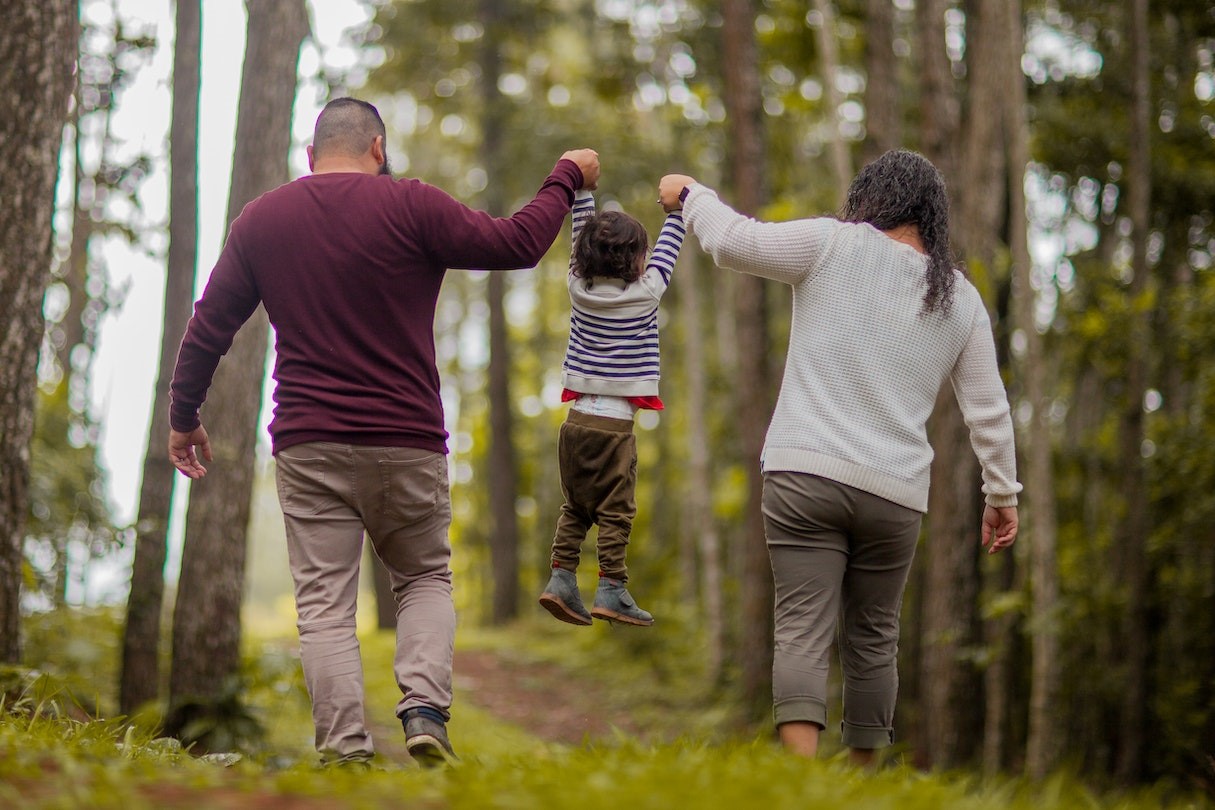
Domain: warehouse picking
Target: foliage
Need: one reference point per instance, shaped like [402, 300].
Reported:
[1080, 97]
[70, 523]
[105, 177]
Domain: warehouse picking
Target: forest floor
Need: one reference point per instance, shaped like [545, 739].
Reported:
[541, 698]
[545, 715]
[549, 701]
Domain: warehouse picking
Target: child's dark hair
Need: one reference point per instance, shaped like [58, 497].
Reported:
[611, 245]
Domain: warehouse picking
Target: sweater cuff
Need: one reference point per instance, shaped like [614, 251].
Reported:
[1000, 501]
[690, 193]
[183, 419]
[566, 173]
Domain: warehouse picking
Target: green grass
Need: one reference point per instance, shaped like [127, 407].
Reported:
[53, 756]
[56, 763]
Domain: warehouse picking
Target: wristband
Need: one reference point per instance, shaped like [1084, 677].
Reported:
[683, 194]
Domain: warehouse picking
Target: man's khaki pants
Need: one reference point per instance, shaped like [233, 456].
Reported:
[330, 493]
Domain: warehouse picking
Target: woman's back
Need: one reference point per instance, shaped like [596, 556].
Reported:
[866, 362]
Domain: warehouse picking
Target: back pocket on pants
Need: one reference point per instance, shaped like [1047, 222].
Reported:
[413, 488]
[301, 484]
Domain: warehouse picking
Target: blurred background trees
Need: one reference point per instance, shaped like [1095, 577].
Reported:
[1077, 139]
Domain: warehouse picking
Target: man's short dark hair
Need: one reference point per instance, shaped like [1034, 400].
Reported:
[346, 126]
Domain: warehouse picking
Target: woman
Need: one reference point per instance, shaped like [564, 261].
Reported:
[881, 319]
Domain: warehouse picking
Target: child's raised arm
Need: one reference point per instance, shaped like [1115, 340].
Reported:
[583, 210]
[666, 249]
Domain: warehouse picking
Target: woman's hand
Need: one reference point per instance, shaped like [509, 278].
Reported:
[999, 527]
[669, 189]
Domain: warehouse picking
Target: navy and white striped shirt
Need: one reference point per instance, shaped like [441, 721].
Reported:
[613, 345]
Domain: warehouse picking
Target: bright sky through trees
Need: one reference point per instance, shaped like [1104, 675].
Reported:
[126, 360]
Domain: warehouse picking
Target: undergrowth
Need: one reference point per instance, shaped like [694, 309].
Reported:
[56, 753]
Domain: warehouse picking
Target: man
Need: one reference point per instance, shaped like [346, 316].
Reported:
[348, 263]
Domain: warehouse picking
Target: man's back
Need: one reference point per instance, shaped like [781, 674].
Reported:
[342, 265]
[349, 267]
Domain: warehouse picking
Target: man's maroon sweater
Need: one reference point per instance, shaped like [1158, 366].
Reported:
[349, 268]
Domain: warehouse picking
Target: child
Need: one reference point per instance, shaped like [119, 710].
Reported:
[610, 371]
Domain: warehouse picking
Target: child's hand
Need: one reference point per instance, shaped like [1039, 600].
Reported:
[669, 189]
[588, 162]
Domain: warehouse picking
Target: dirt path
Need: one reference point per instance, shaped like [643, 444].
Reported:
[539, 698]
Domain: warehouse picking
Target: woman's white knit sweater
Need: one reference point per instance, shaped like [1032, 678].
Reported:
[865, 360]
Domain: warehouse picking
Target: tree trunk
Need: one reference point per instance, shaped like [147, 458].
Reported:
[74, 272]
[883, 119]
[742, 102]
[829, 63]
[981, 191]
[980, 180]
[37, 52]
[938, 101]
[1131, 534]
[951, 590]
[1043, 741]
[503, 475]
[698, 498]
[140, 679]
[951, 686]
[206, 621]
[937, 114]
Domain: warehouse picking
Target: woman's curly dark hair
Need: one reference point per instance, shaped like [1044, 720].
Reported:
[903, 187]
[612, 245]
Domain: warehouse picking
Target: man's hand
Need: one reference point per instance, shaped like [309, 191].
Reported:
[181, 451]
[999, 527]
[669, 189]
[588, 162]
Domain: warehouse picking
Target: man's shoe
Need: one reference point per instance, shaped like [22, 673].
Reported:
[561, 598]
[426, 740]
[614, 604]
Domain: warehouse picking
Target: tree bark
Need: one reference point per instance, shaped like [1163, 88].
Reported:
[1044, 735]
[745, 139]
[37, 51]
[206, 621]
[1131, 534]
[951, 686]
[982, 194]
[503, 473]
[938, 99]
[829, 63]
[698, 498]
[140, 678]
[883, 119]
[74, 273]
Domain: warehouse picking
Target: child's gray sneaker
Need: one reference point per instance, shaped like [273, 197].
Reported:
[426, 740]
[614, 604]
[561, 598]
